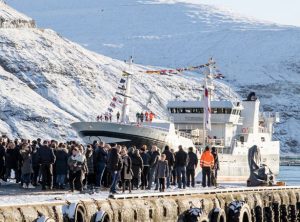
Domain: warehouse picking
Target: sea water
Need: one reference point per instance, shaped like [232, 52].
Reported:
[289, 174]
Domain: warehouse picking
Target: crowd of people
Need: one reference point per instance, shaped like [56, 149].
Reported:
[140, 117]
[54, 165]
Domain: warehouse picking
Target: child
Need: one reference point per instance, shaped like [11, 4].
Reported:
[162, 171]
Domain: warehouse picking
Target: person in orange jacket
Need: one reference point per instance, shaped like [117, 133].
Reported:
[206, 163]
[151, 116]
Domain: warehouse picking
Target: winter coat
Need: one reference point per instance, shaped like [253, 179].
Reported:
[90, 161]
[154, 158]
[146, 158]
[162, 169]
[169, 157]
[100, 155]
[192, 160]
[181, 158]
[61, 163]
[77, 163]
[34, 156]
[12, 158]
[207, 159]
[137, 165]
[26, 167]
[126, 172]
[2, 157]
[46, 155]
[216, 161]
[114, 162]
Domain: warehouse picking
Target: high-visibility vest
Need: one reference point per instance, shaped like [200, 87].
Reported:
[207, 159]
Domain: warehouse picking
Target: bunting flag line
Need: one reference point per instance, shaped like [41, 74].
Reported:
[180, 70]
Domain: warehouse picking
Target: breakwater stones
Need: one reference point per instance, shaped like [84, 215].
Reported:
[259, 204]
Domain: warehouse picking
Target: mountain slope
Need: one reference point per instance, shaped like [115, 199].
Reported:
[48, 82]
[253, 55]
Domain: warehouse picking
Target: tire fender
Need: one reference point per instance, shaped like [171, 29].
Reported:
[217, 215]
[239, 211]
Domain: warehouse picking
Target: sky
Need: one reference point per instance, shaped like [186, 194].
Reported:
[285, 12]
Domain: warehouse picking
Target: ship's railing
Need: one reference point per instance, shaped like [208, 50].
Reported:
[184, 134]
[263, 129]
[241, 120]
[146, 126]
[216, 142]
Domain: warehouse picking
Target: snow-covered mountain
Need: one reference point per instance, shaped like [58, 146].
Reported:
[48, 82]
[253, 55]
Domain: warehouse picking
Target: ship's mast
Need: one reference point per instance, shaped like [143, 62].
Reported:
[127, 95]
[208, 84]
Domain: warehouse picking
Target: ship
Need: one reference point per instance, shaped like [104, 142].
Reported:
[235, 125]
[132, 133]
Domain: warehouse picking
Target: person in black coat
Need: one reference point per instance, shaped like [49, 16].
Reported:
[90, 166]
[11, 160]
[114, 165]
[171, 161]
[216, 167]
[46, 159]
[137, 167]
[126, 172]
[2, 160]
[145, 173]
[100, 161]
[61, 165]
[35, 163]
[181, 158]
[191, 167]
[154, 156]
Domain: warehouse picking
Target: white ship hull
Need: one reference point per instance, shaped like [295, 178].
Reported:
[131, 134]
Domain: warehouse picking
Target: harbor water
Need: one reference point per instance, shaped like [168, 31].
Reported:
[290, 175]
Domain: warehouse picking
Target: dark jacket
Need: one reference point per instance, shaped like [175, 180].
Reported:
[61, 163]
[2, 158]
[137, 165]
[100, 155]
[90, 161]
[114, 162]
[169, 157]
[46, 155]
[216, 163]
[126, 172]
[146, 158]
[34, 155]
[181, 158]
[12, 158]
[26, 167]
[162, 169]
[192, 160]
[154, 158]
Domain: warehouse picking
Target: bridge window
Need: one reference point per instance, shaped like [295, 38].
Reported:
[200, 110]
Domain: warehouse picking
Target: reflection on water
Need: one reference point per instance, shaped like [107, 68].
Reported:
[289, 174]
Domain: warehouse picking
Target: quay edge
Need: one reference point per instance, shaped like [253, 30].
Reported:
[230, 204]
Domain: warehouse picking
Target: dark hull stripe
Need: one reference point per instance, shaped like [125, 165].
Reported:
[134, 140]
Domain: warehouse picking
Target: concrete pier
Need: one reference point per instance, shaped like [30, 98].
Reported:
[216, 205]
